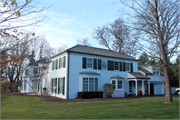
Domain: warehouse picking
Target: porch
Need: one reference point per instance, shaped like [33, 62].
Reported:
[139, 82]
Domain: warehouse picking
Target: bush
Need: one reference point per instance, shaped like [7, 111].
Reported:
[19, 89]
[44, 88]
[95, 94]
[108, 89]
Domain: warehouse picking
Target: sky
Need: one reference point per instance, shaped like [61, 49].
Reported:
[67, 21]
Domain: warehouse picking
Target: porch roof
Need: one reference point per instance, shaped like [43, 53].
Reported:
[117, 76]
[138, 75]
[89, 72]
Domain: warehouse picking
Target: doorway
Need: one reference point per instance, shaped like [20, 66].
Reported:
[151, 88]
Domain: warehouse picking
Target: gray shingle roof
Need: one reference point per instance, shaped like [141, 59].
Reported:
[39, 61]
[138, 75]
[145, 71]
[99, 52]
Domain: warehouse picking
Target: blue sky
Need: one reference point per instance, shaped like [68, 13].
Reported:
[69, 20]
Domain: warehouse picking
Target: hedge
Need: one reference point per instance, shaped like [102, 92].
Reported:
[95, 94]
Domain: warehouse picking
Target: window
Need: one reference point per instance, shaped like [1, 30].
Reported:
[27, 72]
[104, 64]
[127, 66]
[119, 84]
[54, 64]
[34, 85]
[89, 63]
[114, 83]
[62, 61]
[35, 70]
[61, 85]
[115, 65]
[24, 84]
[90, 84]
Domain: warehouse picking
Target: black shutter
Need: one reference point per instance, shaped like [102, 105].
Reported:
[110, 65]
[99, 64]
[84, 63]
[120, 66]
[95, 63]
[124, 66]
[131, 64]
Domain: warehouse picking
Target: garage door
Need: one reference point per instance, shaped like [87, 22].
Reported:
[159, 88]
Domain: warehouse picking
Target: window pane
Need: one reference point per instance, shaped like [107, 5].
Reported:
[89, 63]
[119, 84]
[114, 83]
[116, 65]
[103, 64]
[127, 66]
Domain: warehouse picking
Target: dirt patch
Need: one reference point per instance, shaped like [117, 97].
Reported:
[49, 98]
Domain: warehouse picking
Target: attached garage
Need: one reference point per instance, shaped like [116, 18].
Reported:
[158, 88]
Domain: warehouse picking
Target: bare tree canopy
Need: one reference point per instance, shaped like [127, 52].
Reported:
[19, 13]
[117, 36]
[83, 41]
[158, 21]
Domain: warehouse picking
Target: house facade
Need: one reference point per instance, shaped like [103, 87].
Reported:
[83, 68]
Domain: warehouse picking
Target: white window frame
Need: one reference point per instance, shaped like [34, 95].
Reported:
[104, 64]
[90, 63]
[116, 84]
[117, 65]
[128, 67]
[94, 84]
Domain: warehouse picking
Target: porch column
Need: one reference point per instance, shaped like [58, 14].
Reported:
[142, 87]
[148, 87]
[136, 88]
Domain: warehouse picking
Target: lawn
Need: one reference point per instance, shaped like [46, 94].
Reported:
[25, 107]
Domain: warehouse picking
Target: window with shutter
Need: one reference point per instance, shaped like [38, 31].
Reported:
[124, 66]
[64, 61]
[59, 63]
[131, 67]
[52, 65]
[58, 85]
[63, 86]
[104, 64]
[99, 64]
[56, 64]
[94, 63]
[52, 86]
[89, 63]
[116, 66]
[127, 66]
[120, 66]
[110, 65]
[84, 63]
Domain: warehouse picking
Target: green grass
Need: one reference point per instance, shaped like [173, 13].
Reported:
[25, 107]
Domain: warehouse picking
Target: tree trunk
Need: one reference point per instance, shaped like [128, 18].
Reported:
[168, 95]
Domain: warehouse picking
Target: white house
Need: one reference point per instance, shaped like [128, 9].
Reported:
[83, 68]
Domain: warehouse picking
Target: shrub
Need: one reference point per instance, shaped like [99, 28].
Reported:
[44, 88]
[108, 89]
[93, 94]
[19, 89]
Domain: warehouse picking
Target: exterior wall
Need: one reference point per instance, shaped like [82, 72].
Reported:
[158, 84]
[76, 68]
[59, 73]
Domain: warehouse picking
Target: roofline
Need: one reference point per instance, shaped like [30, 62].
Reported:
[68, 50]
[138, 78]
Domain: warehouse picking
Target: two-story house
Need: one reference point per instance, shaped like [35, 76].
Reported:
[83, 68]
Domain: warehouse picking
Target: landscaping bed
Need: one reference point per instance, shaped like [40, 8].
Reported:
[48, 98]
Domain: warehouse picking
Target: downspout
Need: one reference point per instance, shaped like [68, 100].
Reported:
[68, 76]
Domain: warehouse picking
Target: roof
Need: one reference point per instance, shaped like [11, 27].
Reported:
[89, 72]
[97, 51]
[42, 60]
[145, 71]
[138, 75]
[117, 76]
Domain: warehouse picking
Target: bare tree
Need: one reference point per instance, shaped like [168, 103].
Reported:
[83, 41]
[118, 37]
[158, 20]
[20, 13]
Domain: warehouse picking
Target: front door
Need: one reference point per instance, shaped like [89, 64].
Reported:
[130, 87]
